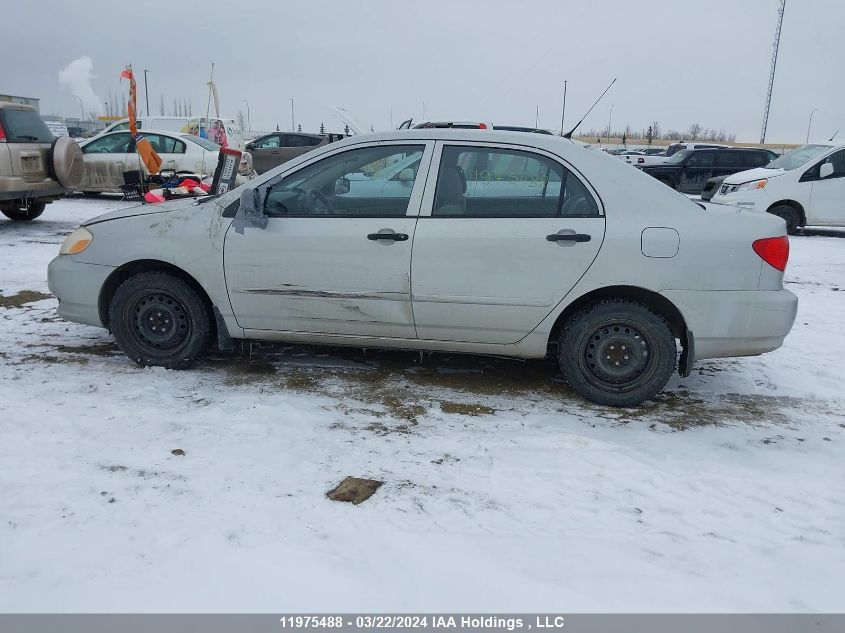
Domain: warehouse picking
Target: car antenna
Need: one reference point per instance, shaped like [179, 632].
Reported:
[833, 137]
[570, 132]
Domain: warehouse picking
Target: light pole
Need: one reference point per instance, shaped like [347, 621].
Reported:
[248, 124]
[81, 107]
[609, 122]
[563, 110]
[291, 115]
[809, 123]
[146, 92]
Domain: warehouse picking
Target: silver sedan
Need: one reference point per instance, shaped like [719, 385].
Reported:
[473, 241]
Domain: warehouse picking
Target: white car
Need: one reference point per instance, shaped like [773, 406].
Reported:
[107, 156]
[224, 132]
[805, 186]
[501, 243]
[646, 157]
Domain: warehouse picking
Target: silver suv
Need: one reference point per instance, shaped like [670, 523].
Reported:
[35, 167]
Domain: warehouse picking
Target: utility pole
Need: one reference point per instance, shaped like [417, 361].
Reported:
[781, 9]
[248, 123]
[563, 110]
[146, 92]
[809, 124]
[291, 115]
[82, 108]
[537, 118]
[609, 122]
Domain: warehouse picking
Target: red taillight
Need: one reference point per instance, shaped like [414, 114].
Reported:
[2, 133]
[482, 126]
[773, 250]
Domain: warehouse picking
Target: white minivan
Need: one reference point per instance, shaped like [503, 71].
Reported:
[224, 132]
[805, 186]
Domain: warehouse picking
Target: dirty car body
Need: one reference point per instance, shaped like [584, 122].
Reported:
[501, 243]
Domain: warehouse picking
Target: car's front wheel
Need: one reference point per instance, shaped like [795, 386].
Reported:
[34, 210]
[617, 353]
[789, 215]
[161, 320]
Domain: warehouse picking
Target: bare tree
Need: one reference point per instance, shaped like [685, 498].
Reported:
[655, 129]
[694, 131]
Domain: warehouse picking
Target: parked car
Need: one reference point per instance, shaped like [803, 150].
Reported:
[107, 156]
[647, 157]
[223, 132]
[689, 169]
[677, 147]
[805, 186]
[35, 167]
[711, 186]
[271, 150]
[575, 252]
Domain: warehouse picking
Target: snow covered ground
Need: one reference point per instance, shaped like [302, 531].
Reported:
[503, 491]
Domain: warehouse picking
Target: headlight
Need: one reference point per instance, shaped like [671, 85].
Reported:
[76, 242]
[754, 184]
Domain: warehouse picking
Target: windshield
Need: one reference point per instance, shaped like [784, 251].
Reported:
[678, 157]
[24, 126]
[797, 157]
[202, 142]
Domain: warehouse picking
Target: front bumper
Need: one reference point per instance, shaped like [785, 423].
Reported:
[735, 322]
[77, 287]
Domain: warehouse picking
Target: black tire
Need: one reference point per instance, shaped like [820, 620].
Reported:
[161, 320]
[789, 215]
[34, 210]
[617, 353]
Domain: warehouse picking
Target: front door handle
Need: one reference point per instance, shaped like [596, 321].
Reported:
[396, 237]
[569, 237]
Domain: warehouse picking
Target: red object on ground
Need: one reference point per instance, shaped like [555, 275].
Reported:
[152, 198]
[189, 183]
[205, 187]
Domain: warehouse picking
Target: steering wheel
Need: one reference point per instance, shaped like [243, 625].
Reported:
[318, 203]
[576, 205]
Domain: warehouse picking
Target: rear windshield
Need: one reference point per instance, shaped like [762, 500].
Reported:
[202, 142]
[24, 126]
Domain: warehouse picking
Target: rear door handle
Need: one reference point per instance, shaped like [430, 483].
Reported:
[569, 237]
[396, 237]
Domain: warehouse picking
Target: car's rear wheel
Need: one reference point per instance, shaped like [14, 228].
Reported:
[161, 320]
[34, 210]
[789, 215]
[617, 353]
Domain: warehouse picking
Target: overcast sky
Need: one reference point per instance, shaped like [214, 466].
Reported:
[677, 62]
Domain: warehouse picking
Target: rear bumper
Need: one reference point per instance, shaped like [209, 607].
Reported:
[16, 188]
[77, 287]
[736, 323]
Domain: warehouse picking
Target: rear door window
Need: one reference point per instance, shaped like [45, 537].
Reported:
[482, 182]
[24, 126]
[729, 159]
[755, 159]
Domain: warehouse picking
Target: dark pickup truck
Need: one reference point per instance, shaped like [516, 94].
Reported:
[688, 169]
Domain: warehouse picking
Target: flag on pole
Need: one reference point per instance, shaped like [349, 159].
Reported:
[142, 145]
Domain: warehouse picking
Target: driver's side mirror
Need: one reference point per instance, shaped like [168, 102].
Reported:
[342, 186]
[250, 211]
[406, 175]
[826, 170]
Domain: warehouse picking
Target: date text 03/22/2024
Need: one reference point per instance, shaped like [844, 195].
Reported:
[466, 622]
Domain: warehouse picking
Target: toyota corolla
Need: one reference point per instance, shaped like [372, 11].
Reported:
[506, 243]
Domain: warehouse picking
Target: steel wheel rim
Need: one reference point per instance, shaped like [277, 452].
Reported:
[616, 354]
[159, 322]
